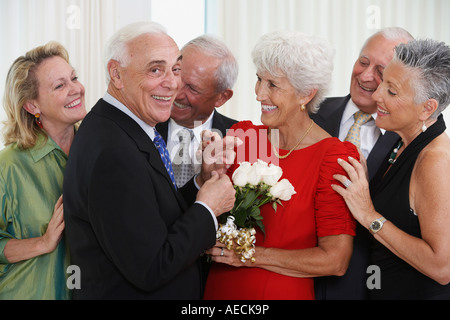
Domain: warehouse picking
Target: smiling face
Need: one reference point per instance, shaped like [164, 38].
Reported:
[368, 70]
[149, 83]
[396, 108]
[198, 96]
[280, 102]
[60, 96]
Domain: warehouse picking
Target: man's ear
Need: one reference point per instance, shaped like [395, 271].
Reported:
[114, 73]
[224, 97]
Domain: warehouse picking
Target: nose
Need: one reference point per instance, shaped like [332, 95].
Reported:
[171, 81]
[368, 74]
[371, 74]
[376, 96]
[261, 92]
[76, 88]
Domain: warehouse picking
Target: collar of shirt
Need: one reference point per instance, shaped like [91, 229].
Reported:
[175, 127]
[149, 130]
[369, 131]
[43, 148]
[350, 110]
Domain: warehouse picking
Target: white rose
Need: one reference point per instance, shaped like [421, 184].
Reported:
[282, 190]
[257, 171]
[241, 174]
[272, 174]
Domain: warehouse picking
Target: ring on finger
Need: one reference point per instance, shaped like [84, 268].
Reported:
[347, 183]
[221, 252]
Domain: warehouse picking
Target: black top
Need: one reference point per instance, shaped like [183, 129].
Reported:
[390, 195]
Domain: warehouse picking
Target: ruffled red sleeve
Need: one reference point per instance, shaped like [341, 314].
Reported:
[332, 214]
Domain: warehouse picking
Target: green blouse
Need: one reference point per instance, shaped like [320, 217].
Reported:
[30, 184]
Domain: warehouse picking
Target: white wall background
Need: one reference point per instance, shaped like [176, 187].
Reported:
[345, 23]
[83, 26]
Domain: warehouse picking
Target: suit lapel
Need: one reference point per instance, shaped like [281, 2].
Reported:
[142, 140]
[217, 123]
[333, 122]
[163, 129]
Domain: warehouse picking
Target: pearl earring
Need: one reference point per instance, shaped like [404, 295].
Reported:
[424, 127]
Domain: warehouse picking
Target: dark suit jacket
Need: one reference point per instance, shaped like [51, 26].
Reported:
[130, 232]
[219, 122]
[351, 286]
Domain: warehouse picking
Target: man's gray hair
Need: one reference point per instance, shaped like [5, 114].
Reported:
[117, 46]
[430, 60]
[391, 34]
[306, 61]
[228, 70]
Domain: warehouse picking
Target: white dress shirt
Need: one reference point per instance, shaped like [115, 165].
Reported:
[173, 141]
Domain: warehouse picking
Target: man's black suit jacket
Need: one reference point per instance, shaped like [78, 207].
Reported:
[351, 286]
[132, 235]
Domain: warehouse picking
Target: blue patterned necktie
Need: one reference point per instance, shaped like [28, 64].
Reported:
[161, 146]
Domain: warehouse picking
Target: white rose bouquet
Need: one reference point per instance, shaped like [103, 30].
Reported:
[255, 184]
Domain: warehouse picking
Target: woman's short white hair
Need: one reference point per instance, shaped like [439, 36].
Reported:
[117, 46]
[306, 61]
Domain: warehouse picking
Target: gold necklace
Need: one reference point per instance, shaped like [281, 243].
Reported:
[298, 143]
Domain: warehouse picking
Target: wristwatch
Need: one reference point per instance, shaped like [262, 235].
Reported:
[377, 224]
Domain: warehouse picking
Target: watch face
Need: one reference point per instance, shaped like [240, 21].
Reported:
[376, 225]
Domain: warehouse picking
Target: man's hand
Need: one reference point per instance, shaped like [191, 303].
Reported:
[217, 154]
[218, 193]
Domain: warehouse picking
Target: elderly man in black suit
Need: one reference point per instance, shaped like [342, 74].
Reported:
[132, 231]
[343, 117]
[208, 71]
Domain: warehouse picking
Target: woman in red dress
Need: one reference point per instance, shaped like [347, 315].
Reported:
[312, 234]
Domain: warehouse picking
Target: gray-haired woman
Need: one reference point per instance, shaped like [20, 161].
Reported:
[410, 212]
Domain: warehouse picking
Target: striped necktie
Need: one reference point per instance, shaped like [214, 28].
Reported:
[354, 134]
[161, 146]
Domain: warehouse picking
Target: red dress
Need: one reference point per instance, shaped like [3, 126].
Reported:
[314, 211]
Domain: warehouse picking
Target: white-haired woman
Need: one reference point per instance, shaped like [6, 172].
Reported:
[410, 212]
[311, 234]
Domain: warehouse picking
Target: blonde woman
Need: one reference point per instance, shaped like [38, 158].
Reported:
[43, 101]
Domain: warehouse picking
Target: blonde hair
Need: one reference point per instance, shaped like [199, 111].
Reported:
[22, 86]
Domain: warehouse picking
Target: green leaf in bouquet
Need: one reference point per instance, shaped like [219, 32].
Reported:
[240, 218]
[249, 198]
[261, 226]
[274, 206]
[255, 212]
